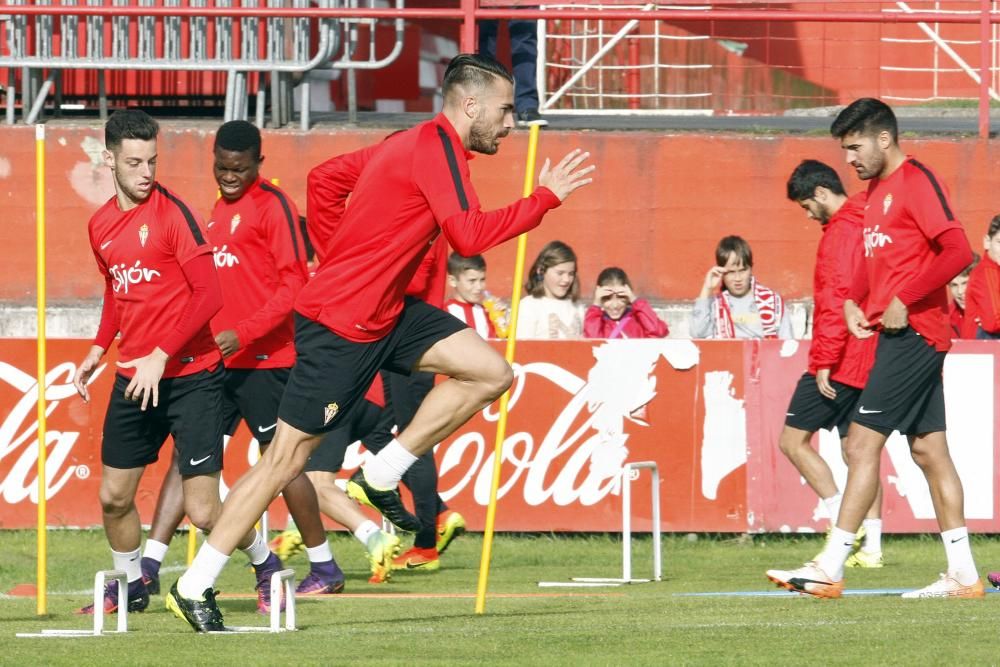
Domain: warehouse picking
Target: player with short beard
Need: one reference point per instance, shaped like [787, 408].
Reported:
[914, 245]
[352, 319]
[261, 263]
[826, 394]
[161, 290]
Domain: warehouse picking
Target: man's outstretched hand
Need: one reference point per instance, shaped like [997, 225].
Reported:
[566, 176]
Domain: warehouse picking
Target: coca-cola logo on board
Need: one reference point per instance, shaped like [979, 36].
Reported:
[19, 434]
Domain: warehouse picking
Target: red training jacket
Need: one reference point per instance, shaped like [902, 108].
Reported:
[404, 192]
[839, 258]
[261, 261]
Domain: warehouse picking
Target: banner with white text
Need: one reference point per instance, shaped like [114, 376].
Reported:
[707, 412]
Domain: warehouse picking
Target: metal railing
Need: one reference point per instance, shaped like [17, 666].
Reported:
[469, 12]
[246, 39]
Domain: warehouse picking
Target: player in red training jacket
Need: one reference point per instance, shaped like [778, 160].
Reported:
[161, 290]
[914, 245]
[827, 392]
[260, 257]
[352, 319]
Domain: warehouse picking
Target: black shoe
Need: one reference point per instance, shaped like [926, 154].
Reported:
[386, 501]
[530, 117]
[203, 615]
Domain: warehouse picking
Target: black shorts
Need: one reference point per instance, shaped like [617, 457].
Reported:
[254, 394]
[810, 410]
[190, 409]
[905, 390]
[332, 374]
[329, 455]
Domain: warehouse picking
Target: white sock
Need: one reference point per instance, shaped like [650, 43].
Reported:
[835, 553]
[366, 530]
[959, 553]
[155, 550]
[387, 468]
[873, 536]
[833, 506]
[128, 562]
[320, 554]
[257, 552]
[204, 570]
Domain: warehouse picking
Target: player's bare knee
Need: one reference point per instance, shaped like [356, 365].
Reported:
[115, 503]
[203, 517]
[924, 457]
[855, 452]
[791, 443]
[497, 380]
[286, 462]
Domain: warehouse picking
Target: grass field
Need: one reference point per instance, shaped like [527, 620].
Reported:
[524, 624]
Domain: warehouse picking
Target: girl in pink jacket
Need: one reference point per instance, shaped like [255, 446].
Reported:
[616, 313]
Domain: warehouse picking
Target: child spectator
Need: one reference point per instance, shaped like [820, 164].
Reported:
[471, 302]
[743, 308]
[616, 313]
[982, 296]
[550, 311]
[957, 287]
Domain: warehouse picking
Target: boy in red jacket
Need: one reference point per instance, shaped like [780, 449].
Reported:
[982, 296]
[838, 363]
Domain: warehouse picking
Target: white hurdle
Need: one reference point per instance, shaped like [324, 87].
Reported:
[100, 579]
[630, 471]
[282, 588]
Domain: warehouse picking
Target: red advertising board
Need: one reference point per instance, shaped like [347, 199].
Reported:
[708, 413]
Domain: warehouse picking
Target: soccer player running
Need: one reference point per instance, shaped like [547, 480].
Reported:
[838, 362]
[913, 247]
[160, 292]
[261, 261]
[352, 319]
[402, 393]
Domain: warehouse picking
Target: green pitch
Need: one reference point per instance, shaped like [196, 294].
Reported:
[407, 622]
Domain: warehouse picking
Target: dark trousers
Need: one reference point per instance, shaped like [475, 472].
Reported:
[403, 395]
[523, 54]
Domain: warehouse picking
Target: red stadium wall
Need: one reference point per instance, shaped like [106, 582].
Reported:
[659, 204]
[713, 414]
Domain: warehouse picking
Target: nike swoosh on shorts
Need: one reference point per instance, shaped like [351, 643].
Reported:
[199, 461]
[265, 430]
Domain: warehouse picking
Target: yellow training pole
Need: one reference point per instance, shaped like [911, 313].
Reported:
[515, 303]
[42, 547]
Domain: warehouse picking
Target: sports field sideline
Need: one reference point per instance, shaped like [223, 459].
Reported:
[428, 618]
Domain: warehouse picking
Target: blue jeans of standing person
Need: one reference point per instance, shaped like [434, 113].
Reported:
[523, 55]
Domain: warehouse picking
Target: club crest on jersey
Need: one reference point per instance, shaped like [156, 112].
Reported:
[329, 412]
[886, 203]
[143, 235]
[234, 223]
